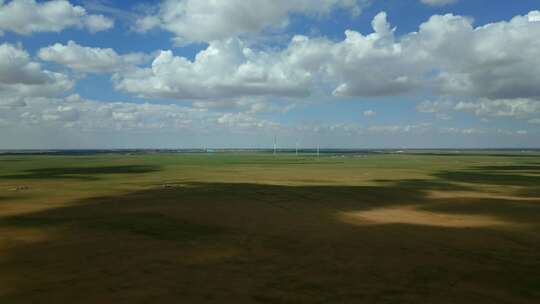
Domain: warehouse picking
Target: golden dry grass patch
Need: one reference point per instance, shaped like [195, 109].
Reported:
[477, 194]
[413, 215]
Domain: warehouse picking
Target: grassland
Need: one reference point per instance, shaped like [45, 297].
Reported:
[253, 228]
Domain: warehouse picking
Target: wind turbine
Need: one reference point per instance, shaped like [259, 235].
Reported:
[275, 145]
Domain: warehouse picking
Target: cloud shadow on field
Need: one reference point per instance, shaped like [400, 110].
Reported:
[526, 168]
[523, 175]
[81, 173]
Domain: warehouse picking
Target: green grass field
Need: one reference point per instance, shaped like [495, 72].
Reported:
[255, 228]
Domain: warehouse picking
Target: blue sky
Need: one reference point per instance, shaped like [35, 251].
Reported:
[339, 73]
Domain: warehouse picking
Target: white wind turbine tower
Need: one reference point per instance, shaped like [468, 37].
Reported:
[275, 145]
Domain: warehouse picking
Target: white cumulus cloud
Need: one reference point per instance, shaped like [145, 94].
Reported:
[29, 16]
[370, 113]
[208, 20]
[438, 2]
[225, 69]
[447, 56]
[88, 59]
[22, 77]
[519, 108]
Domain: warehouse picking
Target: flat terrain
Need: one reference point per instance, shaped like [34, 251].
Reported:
[254, 228]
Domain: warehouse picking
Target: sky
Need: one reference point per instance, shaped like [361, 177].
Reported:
[100, 74]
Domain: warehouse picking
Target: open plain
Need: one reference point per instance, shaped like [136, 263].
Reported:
[257, 228]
